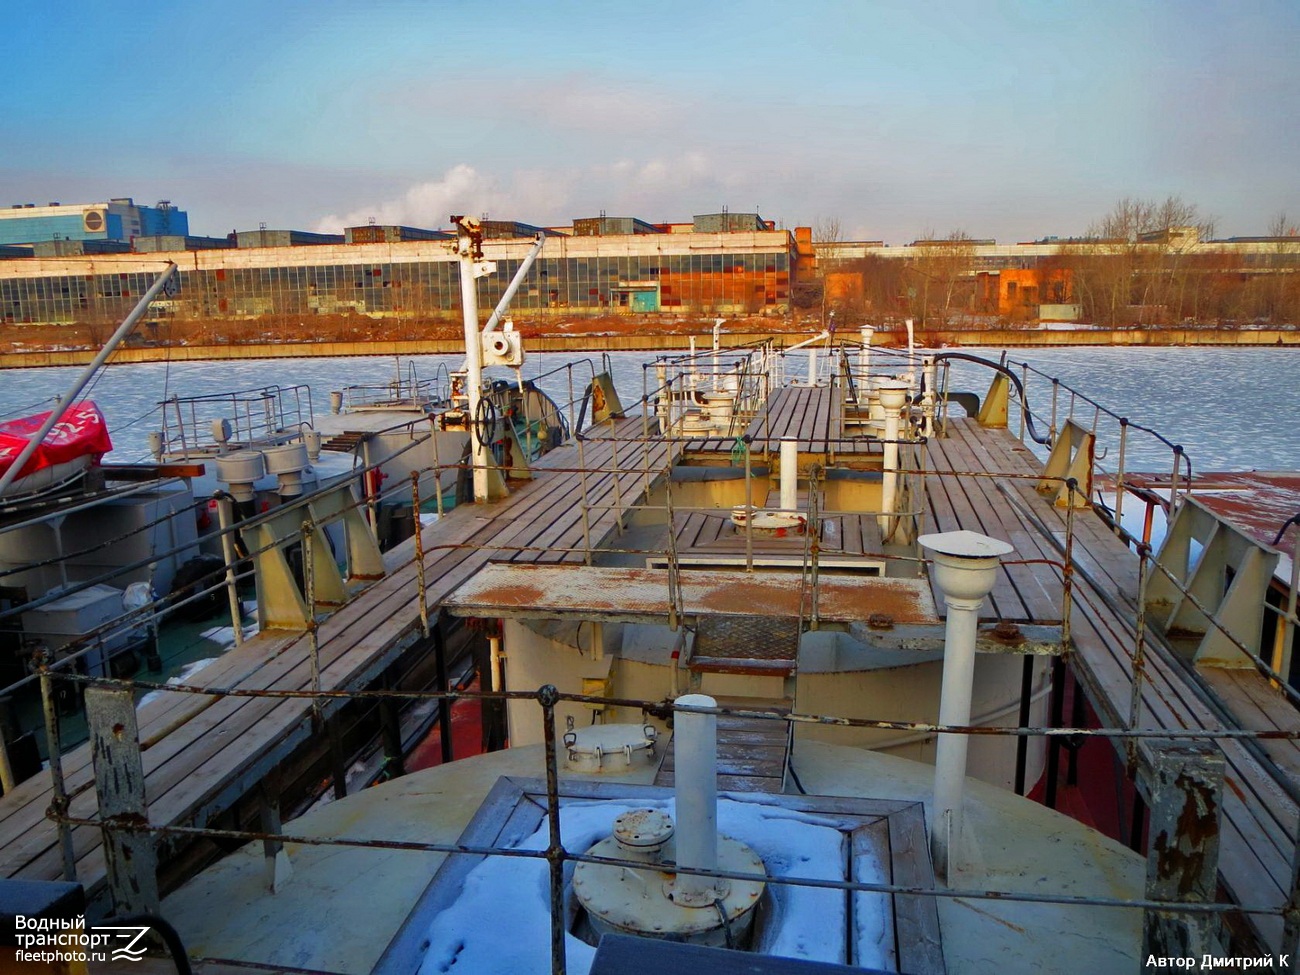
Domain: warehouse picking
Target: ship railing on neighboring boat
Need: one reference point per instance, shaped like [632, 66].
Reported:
[201, 426]
[406, 391]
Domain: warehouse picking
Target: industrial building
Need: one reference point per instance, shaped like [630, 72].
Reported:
[724, 272]
[119, 219]
[729, 264]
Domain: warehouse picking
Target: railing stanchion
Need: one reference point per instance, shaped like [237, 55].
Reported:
[617, 472]
[54, 748]
[1139, 656]
[225, 522]
[1051, 427]
[1024, 398]
[419, 556]
[313, 636]
[585, 510]
[749, 505]
[548, 697]
[1173, 480]
[1119, 477]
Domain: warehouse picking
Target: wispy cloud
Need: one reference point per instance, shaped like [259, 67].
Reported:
[656, 188]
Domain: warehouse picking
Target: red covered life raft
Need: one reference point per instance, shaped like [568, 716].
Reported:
[73, 445]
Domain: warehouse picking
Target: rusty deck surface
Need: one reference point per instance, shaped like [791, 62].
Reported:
[642, 595]
[1257, 502]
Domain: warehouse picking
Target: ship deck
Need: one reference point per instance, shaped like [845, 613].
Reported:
[202, 753]
[984, 482]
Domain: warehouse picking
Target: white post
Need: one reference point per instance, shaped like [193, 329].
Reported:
[893, 394]
[812, 365]
[717, 343]
[930, 374]
[695, 740]
[864, 359]
[695, 367]
[226, 518]
[965, 568]
[789, 475]
[911, 351]
[472, 267]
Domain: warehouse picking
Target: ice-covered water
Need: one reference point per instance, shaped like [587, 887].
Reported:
[1231, 409]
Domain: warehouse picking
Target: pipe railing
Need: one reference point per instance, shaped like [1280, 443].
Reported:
[556, 855]
[262, 414]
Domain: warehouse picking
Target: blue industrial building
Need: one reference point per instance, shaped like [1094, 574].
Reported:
[119, 219]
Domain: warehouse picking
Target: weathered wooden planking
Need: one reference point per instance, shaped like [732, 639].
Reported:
[258, 729]
[1038, 586]
[953, 511]
[1259, 820]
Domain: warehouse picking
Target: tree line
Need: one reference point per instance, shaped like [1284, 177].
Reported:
[1149, 262]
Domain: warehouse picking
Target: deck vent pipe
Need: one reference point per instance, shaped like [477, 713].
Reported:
[965, 568]
[893, 395]
[789, 475]
[659, 901]
[864, 361]
[695, 740]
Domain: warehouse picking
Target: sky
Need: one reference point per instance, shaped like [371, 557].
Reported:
[1006, 120]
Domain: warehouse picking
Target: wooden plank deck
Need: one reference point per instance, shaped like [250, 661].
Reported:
[1260, 820]
[201, 753]
[752, 752]
[702, 533]
[813, 415]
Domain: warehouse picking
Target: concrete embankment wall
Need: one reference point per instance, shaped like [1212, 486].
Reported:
[997, 338]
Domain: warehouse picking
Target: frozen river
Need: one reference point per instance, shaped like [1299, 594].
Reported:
[1231, 409]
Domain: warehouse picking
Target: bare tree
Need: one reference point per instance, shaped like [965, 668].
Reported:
[939, 274]
[1135, 259]
[828, 234]
[1283, 290]
[1280, 226]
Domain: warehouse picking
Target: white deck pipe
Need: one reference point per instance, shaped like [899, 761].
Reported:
[929, 398]
[664, 409]
[472, 267]
[911, 353]
[789, 475]
[695, 740]
[965, 568]
[717, 344]
[893, 394]
[864, 361]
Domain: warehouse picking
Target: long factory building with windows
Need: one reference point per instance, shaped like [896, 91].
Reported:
[88, 264]
[729, 263]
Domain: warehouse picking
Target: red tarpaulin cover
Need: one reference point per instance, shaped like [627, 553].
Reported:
[81, 432]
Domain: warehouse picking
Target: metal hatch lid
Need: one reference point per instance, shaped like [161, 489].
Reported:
[637, 595]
